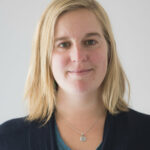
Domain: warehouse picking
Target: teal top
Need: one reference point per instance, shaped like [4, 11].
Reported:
[60, 143]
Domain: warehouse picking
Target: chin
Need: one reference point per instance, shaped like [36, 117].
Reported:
[81, 90]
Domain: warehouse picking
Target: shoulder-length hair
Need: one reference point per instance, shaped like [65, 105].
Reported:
[41, 88]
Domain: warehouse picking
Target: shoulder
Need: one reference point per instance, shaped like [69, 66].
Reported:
[134, 120]
[138, 130]
[138, 115]
[20, 134]
[14, 134]
[13, 125]
[139, 123]
[133, 116]
[135, 126]
[137, 119]
[131, 120]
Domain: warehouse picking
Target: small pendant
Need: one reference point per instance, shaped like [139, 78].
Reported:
[82, 138]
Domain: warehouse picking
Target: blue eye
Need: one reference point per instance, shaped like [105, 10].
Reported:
[64, 45]
[90, 43]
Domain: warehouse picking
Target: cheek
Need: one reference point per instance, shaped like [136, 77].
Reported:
[99, 58]
[58, 63]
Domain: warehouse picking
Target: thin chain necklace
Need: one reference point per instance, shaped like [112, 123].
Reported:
[83, 138]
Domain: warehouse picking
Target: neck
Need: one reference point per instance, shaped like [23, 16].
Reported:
[79, 107]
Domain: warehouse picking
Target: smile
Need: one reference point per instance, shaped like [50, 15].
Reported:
[80, 72]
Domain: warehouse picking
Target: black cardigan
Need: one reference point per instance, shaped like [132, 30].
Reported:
[125, 131]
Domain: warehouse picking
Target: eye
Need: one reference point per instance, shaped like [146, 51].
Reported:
[90, 42]
[64, 45]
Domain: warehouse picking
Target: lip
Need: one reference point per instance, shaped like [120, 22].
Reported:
[78, 72]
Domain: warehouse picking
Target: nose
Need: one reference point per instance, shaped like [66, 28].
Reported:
[78, 54]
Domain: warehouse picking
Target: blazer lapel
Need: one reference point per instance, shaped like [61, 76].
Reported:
[42, 138]
[115, 132]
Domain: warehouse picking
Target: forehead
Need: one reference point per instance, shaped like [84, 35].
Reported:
[77, 23]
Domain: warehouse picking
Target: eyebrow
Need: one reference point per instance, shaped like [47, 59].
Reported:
[93, 34]
[86, 35]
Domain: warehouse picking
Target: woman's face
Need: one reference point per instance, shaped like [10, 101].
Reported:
[79, 59]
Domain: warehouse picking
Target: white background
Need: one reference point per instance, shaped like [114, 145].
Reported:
[130, 21]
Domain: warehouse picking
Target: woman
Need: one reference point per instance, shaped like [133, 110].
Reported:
[75, 87]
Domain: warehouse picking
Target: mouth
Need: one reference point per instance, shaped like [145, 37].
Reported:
[80, 72]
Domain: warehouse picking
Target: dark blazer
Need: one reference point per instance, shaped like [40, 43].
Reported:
[125, 131]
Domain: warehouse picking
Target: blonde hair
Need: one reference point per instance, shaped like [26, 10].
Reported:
[41, 88]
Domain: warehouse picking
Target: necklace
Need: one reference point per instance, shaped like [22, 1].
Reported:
[83, 137]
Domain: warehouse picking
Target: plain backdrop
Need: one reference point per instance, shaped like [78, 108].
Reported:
[130, 21]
